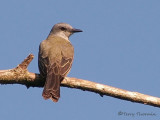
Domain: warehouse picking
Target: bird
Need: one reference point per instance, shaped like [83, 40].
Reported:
[55, 59]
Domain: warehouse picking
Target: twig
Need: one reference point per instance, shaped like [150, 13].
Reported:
[20, 75]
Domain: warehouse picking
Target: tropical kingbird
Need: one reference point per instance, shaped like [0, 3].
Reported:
[55, 59]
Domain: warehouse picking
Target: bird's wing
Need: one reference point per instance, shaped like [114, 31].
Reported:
[43, 60]
[42, 64]
[65, 65]
[56, 73]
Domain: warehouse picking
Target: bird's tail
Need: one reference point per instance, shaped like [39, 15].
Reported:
[52, 87]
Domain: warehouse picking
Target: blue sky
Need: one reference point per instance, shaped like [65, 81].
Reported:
[119, 47]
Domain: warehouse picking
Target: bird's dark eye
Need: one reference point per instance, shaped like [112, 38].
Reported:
[63, 28]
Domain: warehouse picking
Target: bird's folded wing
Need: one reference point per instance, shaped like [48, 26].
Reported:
[66, 64]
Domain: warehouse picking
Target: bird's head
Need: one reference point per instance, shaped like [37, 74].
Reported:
[63, 30]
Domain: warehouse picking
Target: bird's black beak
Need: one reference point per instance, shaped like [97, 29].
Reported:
[76, 30]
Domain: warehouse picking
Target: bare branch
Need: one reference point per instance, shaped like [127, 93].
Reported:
[20, 75]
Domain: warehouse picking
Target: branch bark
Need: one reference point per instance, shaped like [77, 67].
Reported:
[20, 75]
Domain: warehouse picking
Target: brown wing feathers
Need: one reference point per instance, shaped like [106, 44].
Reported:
[55, 74]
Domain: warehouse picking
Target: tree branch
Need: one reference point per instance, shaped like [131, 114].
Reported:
[20, 75]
